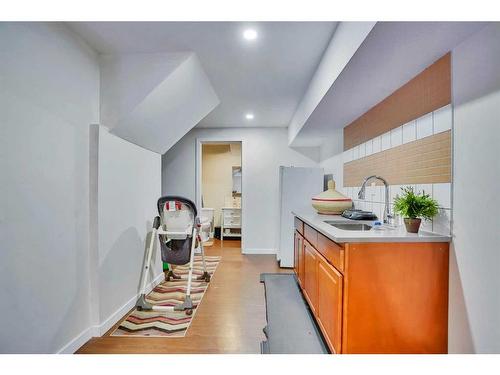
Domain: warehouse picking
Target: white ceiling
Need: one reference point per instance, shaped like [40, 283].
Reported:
[392, 54]
[267, 77]
[181, 97]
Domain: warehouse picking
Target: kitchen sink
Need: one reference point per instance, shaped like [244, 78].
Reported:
[349, 226]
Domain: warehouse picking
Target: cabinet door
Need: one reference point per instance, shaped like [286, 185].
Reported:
[296, 253]
[300, 244]
[310, 277]
[329, 310]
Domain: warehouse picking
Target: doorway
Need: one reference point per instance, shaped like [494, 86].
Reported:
[219, 192]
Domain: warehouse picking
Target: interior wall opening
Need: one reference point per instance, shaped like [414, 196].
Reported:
[221, 190]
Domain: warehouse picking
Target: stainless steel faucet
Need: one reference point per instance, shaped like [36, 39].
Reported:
[387, 209]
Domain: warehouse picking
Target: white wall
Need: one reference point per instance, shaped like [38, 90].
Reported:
[127, 80]
[345, 41]
[183, 98]
[474, 320]
[129, 185]
[263, 151]
[49, 94]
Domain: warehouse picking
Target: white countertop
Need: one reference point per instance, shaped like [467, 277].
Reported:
[386, 234]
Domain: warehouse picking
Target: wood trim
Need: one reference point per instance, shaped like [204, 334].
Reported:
[426, 92]
[331, 251]
[300, 244]
[425, 161]
[296, 241]
[299, 225]
[345, 299]
[311, 235]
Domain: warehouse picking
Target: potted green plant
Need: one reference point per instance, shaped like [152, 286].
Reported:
[415, 207]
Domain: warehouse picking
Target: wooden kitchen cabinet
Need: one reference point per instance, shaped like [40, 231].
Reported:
[375, 297]
[333, 252]
[296, 253]
[298, 262]
[301, 260]
[310, 276]
[397, 298]
[329, 311]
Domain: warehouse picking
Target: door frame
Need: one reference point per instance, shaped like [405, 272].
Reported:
[198, 168]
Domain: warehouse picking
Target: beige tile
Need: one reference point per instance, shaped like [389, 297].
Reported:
[424, 161]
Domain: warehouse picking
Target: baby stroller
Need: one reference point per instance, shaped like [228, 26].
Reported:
[178, 228]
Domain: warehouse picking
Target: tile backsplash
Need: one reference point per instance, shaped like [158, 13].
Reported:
[430, 124]
[375, 198]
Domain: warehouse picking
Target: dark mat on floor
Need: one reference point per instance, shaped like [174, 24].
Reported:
[290, 326]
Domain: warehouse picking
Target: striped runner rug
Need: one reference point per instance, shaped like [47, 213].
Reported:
[169, 293]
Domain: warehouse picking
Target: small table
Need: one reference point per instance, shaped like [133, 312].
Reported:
[230, 219]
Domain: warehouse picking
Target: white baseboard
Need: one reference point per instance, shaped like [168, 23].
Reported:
[99, 330]
[77, 342]
[118, 314]
[259, 251]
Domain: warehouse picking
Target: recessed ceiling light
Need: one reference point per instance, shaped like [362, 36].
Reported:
[249, 116]
[250, 34]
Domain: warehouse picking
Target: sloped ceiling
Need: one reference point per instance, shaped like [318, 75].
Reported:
[391, 54]
[266, 76]
[153, 99]
[126, 80]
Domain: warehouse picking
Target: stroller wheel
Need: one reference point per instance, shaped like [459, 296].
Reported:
[189, 311]
[207, 278]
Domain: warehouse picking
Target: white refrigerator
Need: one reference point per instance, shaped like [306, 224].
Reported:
[297, 186]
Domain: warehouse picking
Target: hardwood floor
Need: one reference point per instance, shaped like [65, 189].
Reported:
[229, 319]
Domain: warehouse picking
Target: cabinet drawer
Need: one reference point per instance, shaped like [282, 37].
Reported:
[299, 225]
[311, 235]
[231, 217]
[332, 251]
[232, 221]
